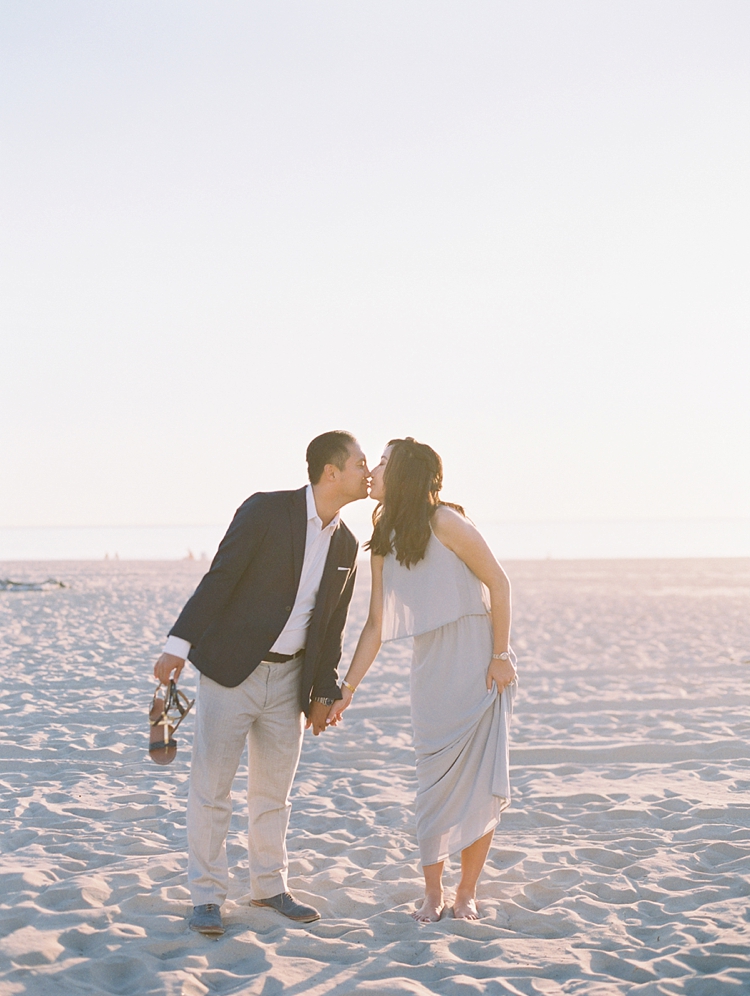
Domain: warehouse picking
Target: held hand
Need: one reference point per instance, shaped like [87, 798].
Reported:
[335, 712]
[502, 673]
[164, 667]
[317, 717]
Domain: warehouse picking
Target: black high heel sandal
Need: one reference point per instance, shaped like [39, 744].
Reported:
[168, 709]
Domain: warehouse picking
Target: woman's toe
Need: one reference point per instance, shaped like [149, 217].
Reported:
[465, 910]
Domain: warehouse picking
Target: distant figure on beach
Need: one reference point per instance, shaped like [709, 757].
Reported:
[264, 627]
[431, 573]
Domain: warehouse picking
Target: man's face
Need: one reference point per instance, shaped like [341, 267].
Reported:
[354, 479]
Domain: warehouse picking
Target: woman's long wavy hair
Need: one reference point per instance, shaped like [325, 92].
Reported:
[413, 479]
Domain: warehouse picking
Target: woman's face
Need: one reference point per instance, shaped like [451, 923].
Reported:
[377, 486]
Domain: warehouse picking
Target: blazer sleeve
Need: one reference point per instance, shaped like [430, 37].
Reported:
[325, 684]
[236, 551]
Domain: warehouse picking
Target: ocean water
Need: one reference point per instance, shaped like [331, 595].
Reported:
[592, 540]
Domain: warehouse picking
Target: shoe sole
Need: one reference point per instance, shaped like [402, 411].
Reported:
[208, 931]
[297, 919]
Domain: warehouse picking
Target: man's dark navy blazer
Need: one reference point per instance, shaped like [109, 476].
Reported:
[242, 604]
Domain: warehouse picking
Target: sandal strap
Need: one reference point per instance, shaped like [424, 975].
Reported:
[173, 698]
[180, 701]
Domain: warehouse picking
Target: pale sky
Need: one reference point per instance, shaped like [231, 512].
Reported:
[515, 230]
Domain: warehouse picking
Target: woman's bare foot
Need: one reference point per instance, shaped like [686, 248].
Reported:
[465, 908]
[431, 909]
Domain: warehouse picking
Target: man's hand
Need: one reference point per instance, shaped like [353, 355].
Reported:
[317, 717]
[164, 667]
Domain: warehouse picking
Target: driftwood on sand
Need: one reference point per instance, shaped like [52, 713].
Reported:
[7, 585]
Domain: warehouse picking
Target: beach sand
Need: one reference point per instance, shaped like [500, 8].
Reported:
[621, 866]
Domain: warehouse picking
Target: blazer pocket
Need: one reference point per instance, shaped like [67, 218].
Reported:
[337, 583]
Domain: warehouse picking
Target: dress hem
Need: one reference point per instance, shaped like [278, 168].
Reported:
[490, 827]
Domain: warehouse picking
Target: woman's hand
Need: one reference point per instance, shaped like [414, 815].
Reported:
[334, 713]
[502, 673]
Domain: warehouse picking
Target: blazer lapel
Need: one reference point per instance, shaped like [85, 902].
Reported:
[330, 569]
[327, 585]
[298, 518]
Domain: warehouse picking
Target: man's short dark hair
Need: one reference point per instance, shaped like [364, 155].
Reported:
[330, 447]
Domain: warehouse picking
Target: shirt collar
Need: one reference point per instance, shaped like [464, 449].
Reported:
[312, 513]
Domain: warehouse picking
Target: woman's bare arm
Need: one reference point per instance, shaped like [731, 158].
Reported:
[368, 644]
[464, 539]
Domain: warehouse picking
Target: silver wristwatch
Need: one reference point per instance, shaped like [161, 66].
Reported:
[323, 700]
[504, 656]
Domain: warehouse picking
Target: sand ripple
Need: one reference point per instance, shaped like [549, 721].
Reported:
[621, 867]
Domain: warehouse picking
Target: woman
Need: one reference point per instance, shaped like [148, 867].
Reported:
[431, 574]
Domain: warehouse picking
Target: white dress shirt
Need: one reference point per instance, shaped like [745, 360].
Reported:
[294, 635]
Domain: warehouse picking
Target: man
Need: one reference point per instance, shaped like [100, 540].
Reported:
[265, 628]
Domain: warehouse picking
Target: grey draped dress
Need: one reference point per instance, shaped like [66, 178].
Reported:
[461, 731]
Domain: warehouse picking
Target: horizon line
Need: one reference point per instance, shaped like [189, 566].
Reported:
[485, 522]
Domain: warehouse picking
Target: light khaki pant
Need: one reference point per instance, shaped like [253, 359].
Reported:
[265, 711]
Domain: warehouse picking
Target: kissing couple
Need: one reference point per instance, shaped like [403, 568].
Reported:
[265, 630]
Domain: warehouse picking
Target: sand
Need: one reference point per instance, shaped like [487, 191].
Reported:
[621, 867]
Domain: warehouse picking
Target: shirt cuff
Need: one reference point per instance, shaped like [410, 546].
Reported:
[177, 646]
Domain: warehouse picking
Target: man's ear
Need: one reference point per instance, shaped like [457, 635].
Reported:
[330, 471]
